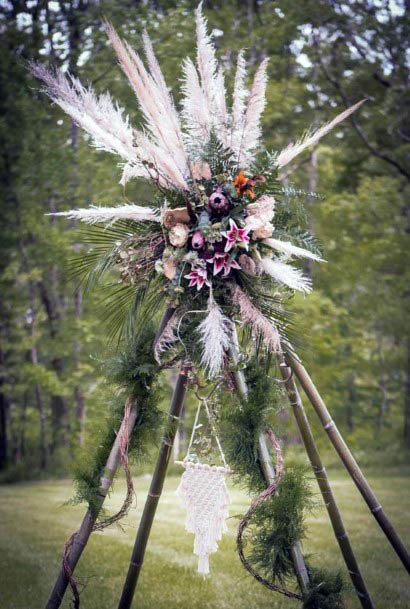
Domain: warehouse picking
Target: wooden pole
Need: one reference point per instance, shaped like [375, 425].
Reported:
[90, 518]
[155, 490]
[349, 461]
[325, 488]
[267, 468]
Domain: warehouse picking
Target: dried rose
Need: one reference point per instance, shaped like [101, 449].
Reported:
[170, 268]
[247, 264]
[178, 235]
[264, 232]
[171, 217]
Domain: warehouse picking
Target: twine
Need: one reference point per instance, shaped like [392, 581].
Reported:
[270, 491]
[123, 445]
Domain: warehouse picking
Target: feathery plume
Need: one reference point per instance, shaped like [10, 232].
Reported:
[254, 108]
[206, 60]
[220, 109]
[98, 116]
[106, 215]
[154, 100]
[311, 138]
[194, 107]
[286, 247]
[284, 273]
[240, 94]
[251, 315]
[167, 336]
[215, 331]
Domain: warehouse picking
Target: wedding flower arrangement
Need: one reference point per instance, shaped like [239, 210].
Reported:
[221, 236]
[220, 244]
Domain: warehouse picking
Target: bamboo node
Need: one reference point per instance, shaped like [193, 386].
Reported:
[329, 425]
[376, 509]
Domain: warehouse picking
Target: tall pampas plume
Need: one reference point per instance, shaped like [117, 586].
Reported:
[240, 94]
[261, 326]
[252, 122]
[287, 274]
[206, 60]
[155, 102]
[215, 332]
[106, 215]
[99, 116]
[195, 110]
[286, 247]
[312, 138]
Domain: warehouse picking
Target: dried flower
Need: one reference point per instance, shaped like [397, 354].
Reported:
[247, 264]
[178, 235]
[264, 232]
[170, 268]
[171, 217]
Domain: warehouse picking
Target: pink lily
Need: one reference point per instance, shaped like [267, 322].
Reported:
[235, 235]
[197, 277]
[222, 261]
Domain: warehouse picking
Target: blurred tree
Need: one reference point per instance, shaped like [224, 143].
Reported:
[323, 54]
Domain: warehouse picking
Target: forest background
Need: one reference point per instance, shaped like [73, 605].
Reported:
[324, 55]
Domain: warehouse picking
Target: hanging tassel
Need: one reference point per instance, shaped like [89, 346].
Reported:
[206, 500]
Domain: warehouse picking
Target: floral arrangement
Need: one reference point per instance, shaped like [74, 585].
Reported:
[221, 237]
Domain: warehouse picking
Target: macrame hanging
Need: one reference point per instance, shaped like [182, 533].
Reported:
[205, 496]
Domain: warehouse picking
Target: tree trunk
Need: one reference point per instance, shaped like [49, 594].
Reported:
[4, 407]
[407, 401]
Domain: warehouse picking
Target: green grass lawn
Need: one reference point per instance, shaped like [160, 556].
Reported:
[35, 523]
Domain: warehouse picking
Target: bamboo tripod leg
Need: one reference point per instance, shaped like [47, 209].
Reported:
[110, 469]
[155, 490]
[349, 461]
[268, 470]
[326, 491]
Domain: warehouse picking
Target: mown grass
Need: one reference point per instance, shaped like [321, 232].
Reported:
[35, 523]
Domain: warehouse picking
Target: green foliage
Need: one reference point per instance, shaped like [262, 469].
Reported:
[134, 374]
[242, 421]
[278, 524]
[325, 590]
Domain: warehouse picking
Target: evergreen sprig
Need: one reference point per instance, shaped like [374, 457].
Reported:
[132, 373]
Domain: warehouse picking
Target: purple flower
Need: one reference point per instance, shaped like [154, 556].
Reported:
[197, 277]
[218, 202]
[197, 240]
[236, 235]
[223, 261]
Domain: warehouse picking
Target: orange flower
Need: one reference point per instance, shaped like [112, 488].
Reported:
[244, 185]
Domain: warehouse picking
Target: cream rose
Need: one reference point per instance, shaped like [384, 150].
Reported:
[178, 235]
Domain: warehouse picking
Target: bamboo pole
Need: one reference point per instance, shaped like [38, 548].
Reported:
[326, 490]
[86, 528]
[349, 461]
[155, 490]
[267, 468]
